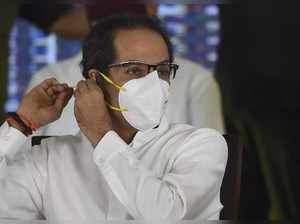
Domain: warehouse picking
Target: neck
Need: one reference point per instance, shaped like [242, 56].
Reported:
[125, 131]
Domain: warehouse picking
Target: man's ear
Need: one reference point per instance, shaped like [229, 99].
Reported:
[93, 73]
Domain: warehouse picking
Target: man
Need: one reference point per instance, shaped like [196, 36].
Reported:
[194, 99]
[127, 162]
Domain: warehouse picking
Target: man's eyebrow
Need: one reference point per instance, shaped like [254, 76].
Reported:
[164, 61]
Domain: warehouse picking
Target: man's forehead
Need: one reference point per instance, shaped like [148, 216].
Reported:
[137, 35]
[140, 44]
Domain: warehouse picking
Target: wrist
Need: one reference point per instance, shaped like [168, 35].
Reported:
[95, 139]
[21, 122]
[26, 118]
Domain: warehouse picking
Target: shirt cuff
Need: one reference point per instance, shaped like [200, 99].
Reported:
[110, 145]
[11, 139]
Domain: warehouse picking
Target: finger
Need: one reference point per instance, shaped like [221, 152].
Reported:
[53, 91]
[50, 92]
[48, 83]
[82, 86]
[56, 89]
[69, 93]
[92, 84]
[62, 99]
[77, 109]
[59, 88]
[76, 113]
[76, 93]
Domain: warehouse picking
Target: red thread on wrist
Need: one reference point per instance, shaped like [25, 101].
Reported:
[30, 122]
[17, 123]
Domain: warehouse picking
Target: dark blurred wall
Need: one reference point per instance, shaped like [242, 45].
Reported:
[8, 12]
[258, 73]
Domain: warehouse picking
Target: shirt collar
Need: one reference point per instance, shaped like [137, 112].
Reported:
[143, 137]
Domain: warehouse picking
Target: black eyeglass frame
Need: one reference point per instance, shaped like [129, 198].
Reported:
[154, 66]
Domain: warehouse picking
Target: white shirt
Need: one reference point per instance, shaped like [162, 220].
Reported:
[194, 99]
[171, 172]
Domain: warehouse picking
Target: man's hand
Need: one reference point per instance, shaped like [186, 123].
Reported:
[91, 112]
[44, 103]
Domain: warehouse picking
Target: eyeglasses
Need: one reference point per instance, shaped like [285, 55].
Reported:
[165, 70]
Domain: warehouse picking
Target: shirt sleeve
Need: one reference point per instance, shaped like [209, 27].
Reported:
[20, 196]
[191, 187]
[11, 142]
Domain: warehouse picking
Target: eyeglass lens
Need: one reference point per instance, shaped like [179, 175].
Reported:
[163, 70]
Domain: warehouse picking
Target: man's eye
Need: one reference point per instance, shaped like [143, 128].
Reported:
[164, 72]
[135, 71]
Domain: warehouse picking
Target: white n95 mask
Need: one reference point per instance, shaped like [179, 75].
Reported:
[142, 101]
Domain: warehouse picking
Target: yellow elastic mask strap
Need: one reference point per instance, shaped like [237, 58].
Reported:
[169, 89]
[115, 108]
[111, 82]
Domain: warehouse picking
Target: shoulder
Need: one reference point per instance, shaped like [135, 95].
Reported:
[199, 142]
[65, 65]
[60, 66]
[67, 70]
[207, 136]
[190, 132]
[189, 67]
[192, 75]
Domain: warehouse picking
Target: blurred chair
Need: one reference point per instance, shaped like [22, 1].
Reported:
[230, 189]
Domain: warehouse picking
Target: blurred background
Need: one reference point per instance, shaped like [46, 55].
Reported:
[194, 30]
[250, 49]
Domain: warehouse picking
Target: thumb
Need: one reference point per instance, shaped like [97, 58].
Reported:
[63, 98]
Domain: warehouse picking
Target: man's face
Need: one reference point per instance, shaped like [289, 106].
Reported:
[133, 45]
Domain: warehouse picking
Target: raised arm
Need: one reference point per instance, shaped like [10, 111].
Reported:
[21, 182]
[42, 105]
